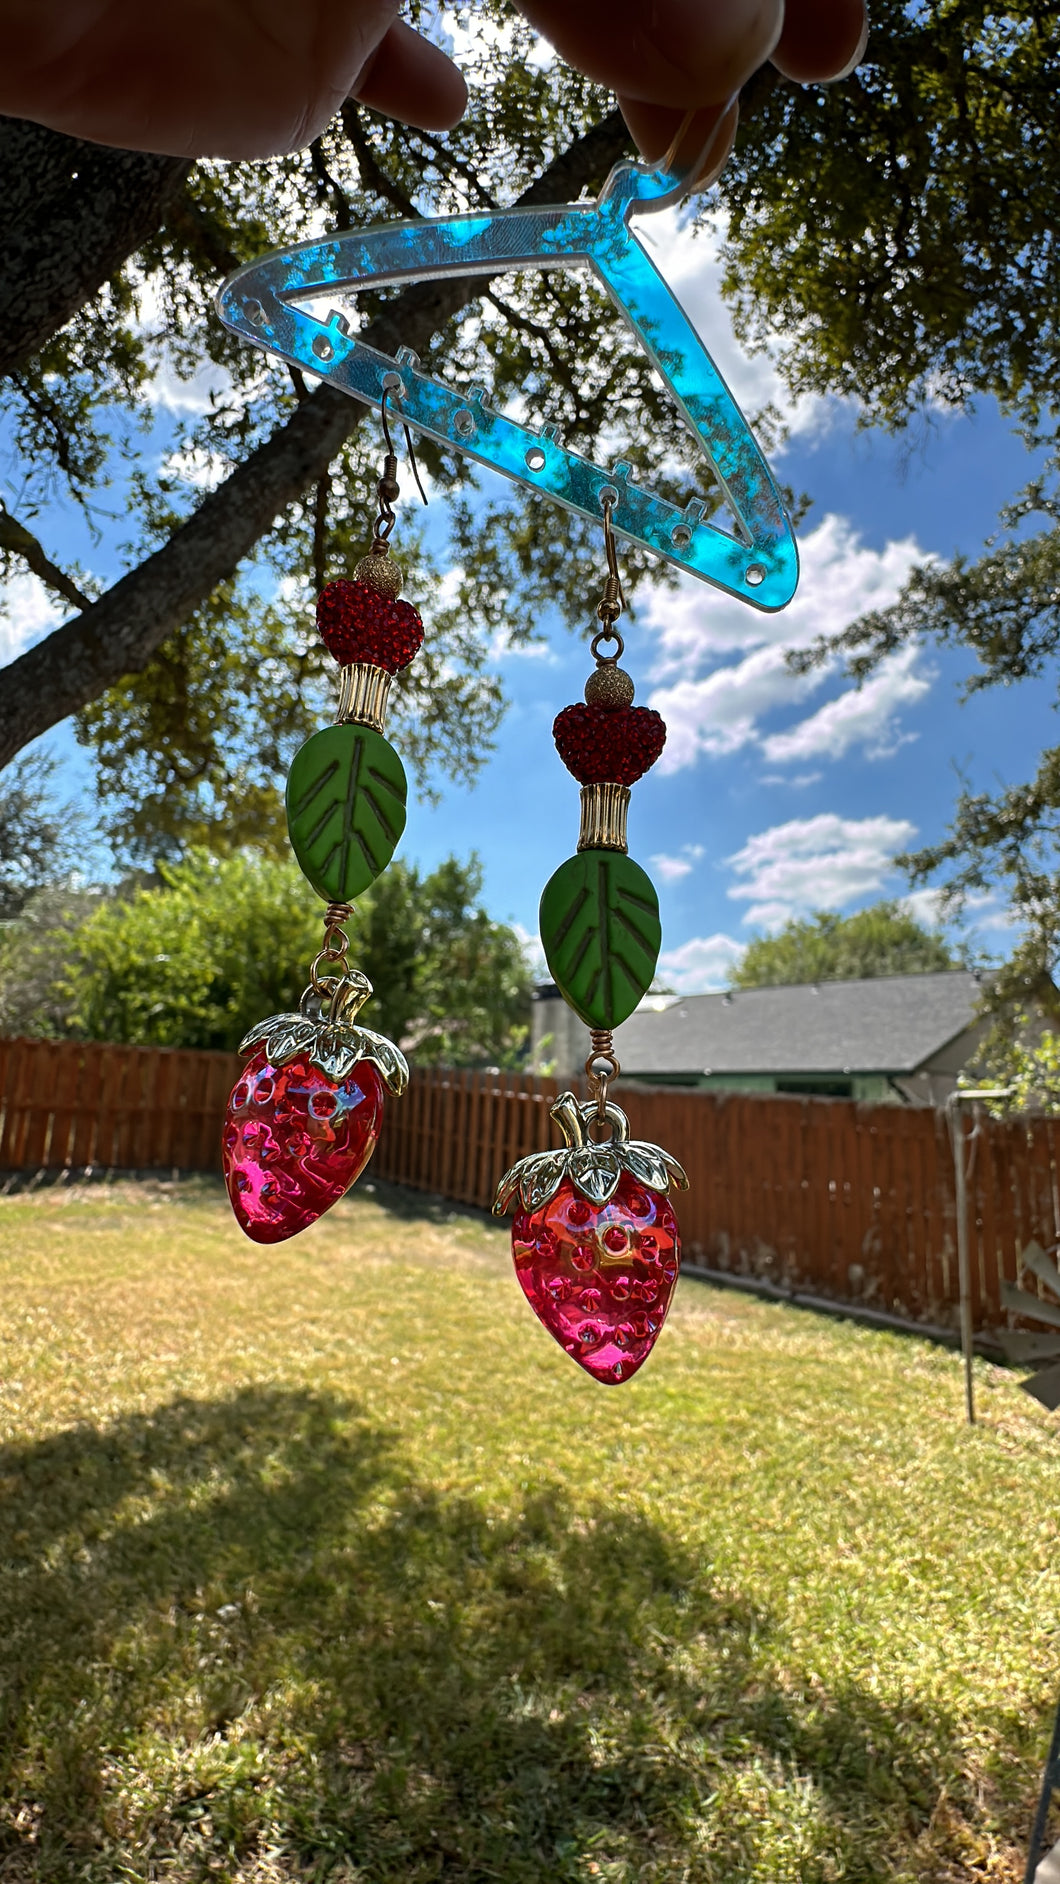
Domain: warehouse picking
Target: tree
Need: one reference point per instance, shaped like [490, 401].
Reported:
[905, 242]
[296, 499]
[881, 940]
[456, 985]
[195, 960]
[897, 228]
[38, 836]
[43, 897]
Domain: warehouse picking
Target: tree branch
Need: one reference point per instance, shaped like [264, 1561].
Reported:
[98, 207]
[372, 172]
[119, 633]
[18, 541]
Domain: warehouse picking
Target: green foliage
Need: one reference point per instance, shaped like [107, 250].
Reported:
[222, 943]
[35, 994]
[38, 836]
[452, 985]
[346, 797]
[601, 934]
[195, 962]
[322, 1562]
[898, 228]
[881, 940]
[189, 750]
[1021, 1056]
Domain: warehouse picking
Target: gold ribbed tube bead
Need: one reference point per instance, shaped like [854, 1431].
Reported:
[363, 694]
[604, 809]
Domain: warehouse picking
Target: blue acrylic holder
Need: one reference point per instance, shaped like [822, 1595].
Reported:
[263, 303]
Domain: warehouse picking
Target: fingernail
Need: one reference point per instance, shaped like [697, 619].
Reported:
[700, 172]
[853, 63]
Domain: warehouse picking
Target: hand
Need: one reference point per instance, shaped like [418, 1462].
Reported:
[251, 78]
[674, 56]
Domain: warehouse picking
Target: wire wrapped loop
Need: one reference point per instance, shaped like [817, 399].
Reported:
[335, 952]
[601, 1068]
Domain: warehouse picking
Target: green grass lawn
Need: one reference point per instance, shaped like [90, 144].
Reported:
[325, 1562]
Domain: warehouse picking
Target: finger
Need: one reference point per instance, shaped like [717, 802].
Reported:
[674, 52]
[705, 143]
[408, 78]
[822, 39]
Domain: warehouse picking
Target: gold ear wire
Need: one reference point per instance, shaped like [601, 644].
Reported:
[390, 463]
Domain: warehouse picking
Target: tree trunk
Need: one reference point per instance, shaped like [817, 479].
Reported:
[70, 214]
[119, 633]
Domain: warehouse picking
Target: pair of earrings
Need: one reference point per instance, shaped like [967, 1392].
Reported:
[595, 1238]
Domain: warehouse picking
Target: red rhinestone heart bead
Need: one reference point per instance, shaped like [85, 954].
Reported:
[294, 1141]
[600, 1276]
[357, 623]
[613, 745]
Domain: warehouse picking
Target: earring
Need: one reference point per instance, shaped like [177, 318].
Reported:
[595, 1238]
[304, 1116]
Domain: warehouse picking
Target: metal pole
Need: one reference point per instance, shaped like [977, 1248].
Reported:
[964, 1277]
[1048, 1783]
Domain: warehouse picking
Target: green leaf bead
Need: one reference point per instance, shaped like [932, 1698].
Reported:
[346, 796]
[601, 933]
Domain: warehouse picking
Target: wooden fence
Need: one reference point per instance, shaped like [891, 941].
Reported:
[849, 1201]
[64, 1104]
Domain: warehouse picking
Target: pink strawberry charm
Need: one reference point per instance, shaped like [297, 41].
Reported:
[305, 1113]
[595, 1240]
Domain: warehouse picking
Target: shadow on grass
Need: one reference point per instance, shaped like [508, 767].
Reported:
[241, 1626]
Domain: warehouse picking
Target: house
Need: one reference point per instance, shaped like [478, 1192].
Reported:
[893, 1038]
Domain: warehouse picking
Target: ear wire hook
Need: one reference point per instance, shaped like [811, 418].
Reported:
[612, 601]
[387, 389]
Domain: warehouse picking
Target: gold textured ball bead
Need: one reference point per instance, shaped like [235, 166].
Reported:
[609, 687]
[380, 572]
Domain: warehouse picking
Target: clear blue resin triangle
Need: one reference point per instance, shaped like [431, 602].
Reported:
[759, 564]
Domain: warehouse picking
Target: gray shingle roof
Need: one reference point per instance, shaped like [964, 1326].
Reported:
[890, 1024]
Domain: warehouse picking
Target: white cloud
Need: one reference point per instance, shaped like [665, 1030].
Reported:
[464, 43]
[719, 713]
[984, 909]
[27, 614]
[670, 869]
[923, 906]
[530, 943]
[719, 710]
[701, 965]
[864, 716]
[841, 578]
[171, 392]
[690, 263]
[166, 388]
[815, 863]
[205, 470]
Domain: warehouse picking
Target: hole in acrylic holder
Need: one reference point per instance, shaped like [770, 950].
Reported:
[256, 313]
[323, 348]
[754, 575]
[464, 423]
[535, 459]
[681, 537]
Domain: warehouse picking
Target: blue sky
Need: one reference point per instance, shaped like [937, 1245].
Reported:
[776, 795]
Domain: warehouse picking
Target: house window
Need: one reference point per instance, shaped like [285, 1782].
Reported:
[819, 1088]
